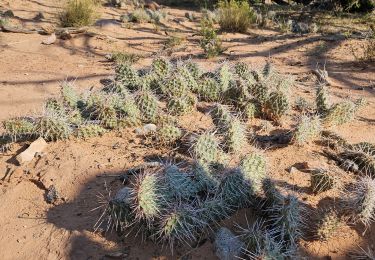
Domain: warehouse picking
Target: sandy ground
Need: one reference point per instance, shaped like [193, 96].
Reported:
[81, 170]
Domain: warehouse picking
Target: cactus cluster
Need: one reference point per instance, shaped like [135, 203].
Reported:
[206, 148]
[18, 128]
[276, 105]
[321, 181]
[307, 129]
[253, 168]
[329, 225]
[127, 76]
[52, 126]
[363, 155]
[169, 134]
[89, 130]
[147, 103]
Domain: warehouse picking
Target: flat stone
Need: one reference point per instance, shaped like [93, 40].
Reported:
[35, 147]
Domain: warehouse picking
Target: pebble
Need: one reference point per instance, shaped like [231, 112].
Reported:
[146, 129]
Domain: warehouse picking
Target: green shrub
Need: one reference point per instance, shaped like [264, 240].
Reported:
[78, 13]
[210, 42]
[235, 16]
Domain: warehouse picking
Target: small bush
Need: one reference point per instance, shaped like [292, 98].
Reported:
[210, 42]
[78, 13]
[235, 16]
[368, 47]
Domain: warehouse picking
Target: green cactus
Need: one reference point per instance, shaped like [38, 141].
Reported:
[127, 76]
[205, 176]
[206, 148]
[242, 69]
[106, 114]
[89, 130]
[182, 105]
[221, 115]
[276, 105]
[169, 134]
[261, 92]
[340, 113]
[214, 209]
[321, 181]
[18, 127]
[268, 70]
[161, 67]
[286, 217]
[119, 211]
[360, 200]
[175, 86]
[307, 129]
[69, 95]
[363, 154]
[75, 117]
[322, 100]
[191, 81]
[209, 90]
[129, 114]
[194, 69]
[235, 136]
[234, 190]
[238, 93]
[53, 127]
[251, 110]
[180, 224]
[225, 77]
[181, 186]
[254, 170]
[147, 103]
[329, 225]
[149, 196]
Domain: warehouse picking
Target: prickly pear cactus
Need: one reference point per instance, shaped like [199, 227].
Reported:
[221, 115]
[191, 82]
[227, 245]
[194, 69]
[168, 134]
[205, 176]
[251, 110]
[225, 77]
[127, 76]
[182, 105]
[235, 136]
[238, 93]
[69, 95]
[276, 105]
[254, 170]
[321, 181]
[18, 127]
[161, 67]
[175, 86]
[242, 69]
[148, 105]
[307, 129]
[53, 127]
[89, 130]
[340, 113]
[234, 190]
[149, 196]
[206, 148]
[181, 185]
[329, 225]
[322, 99]
[106, 114]
[209, 90]
[54, 105]
[260, 91]
[129, 114]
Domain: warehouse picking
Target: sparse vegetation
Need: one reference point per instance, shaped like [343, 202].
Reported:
[210, 42]
[78, 13]
[235, 15]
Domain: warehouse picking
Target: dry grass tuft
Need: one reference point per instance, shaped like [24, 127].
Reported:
[78, 13]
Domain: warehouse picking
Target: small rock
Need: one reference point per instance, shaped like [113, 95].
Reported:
[50, 40]
[292, 170]
[52, 194]
[35, 147]
[227, 245]
[65, 35]
[299, 27]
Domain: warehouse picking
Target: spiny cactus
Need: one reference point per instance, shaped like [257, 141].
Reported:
[307, 129]
[69, 95]
[225, 77]
[182, 105]
[238, 93]
[206, 148]
[148, 105]
[329, 225]
[340, 113]
[175, 86]
[322, 99]
[261, 92]
[360, 200]
[161, 67]
[194, 69]
[363, 154]
[75, 117]
[191, 82]
[127, 75]
[276, 105]
[209, 90]
[321, 181]
[242, 69]
[221, 115]
[89, 130]
[18, 127]
[251, 110]
[268, 70]
[180, 224]
[205, 176]
[106, 113]
[181, 185]
[235, 136]
[214, 209]
[169, 134]
[286, 218]
[53, 127]
[149, 196]
[128, 113]
[254, 170]
[234, 190]
[52, 104]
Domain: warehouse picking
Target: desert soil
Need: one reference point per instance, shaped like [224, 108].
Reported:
[82, 171]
